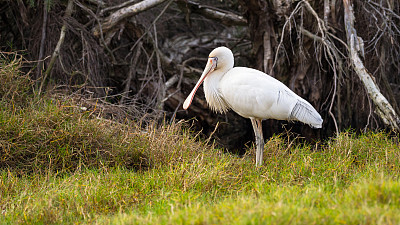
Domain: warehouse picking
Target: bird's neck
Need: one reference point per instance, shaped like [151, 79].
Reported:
[212, 92]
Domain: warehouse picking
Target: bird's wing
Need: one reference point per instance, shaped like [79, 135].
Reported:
[252, 93]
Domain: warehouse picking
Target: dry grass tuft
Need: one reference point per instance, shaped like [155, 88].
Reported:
[15, 86]
[59, 137]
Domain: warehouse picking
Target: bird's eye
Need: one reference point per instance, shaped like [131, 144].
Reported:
[216, 60]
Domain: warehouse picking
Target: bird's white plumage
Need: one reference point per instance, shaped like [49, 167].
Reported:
[250, 93]
[246, 94]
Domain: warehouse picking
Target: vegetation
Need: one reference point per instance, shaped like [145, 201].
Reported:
[90, 118]
[146, 56]
[62, 164]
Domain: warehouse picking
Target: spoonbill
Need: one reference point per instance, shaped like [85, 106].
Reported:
[251, 94]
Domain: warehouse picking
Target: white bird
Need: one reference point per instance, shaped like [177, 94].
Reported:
[251, 94]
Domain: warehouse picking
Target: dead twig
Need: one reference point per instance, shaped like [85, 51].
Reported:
[152, 24]
[132, 72]
[294, 12]
[42, 40]
[225, 17]
[100, 30]
[56, 52]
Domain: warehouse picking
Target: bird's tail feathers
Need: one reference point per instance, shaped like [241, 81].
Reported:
[304, 112]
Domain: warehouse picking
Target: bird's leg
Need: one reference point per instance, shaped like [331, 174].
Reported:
[260, 142]
[257, 127]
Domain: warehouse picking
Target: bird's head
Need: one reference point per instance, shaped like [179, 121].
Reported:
[220, 59]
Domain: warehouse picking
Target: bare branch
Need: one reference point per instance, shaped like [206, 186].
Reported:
[225, 17]
[294, 12]
[152, 24]
[42, 40]
[56, 52]
[384, 109]
[100, 30]
[327, 11]
[132, 72]
[100, 3]
[115, 7]
[332, 54]
[124, 13]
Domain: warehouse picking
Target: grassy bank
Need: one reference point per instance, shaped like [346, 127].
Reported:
[60, 163]
[359, 184]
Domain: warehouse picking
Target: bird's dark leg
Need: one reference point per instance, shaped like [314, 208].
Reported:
[257, 127]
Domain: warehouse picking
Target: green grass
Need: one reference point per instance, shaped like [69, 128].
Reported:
[297, 185]
[61, 164]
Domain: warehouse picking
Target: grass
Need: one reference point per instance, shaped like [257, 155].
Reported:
[62, 164]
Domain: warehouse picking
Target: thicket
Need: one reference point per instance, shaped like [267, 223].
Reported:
[140, 59]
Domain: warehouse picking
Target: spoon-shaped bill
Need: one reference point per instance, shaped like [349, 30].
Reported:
[211, 64]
